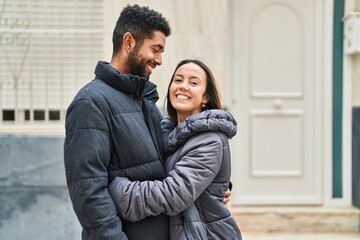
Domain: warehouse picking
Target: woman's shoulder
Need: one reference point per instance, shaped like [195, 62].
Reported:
[215, 120]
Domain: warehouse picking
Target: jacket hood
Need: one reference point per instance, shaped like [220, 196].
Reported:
[136, 86]
[209, 120]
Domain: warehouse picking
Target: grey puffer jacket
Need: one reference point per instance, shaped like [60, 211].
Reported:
[199, 168]
[113, 129]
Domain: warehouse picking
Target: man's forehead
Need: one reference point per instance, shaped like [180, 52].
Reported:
[157, 40]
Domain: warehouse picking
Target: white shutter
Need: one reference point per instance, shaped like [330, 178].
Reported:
[48, 52]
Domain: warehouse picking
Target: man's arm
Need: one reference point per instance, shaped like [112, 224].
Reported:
[86, 157]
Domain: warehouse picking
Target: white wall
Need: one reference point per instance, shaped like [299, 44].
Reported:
[199, 30]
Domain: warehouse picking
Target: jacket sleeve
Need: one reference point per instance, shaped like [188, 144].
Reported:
[86, 157]
[184, 184]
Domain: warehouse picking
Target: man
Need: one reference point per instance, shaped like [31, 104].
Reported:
[112, 129]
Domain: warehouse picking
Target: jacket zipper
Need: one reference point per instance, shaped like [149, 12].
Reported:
[148, 93]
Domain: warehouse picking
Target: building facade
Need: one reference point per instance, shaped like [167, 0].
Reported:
[288, 70]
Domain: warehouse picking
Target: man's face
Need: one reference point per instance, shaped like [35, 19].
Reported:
[145, 57]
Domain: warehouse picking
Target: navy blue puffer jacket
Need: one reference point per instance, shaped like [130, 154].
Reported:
[113, 129]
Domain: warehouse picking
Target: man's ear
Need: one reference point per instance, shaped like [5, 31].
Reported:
[128, 42]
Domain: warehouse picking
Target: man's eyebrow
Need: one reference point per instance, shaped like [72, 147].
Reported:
[159, 46]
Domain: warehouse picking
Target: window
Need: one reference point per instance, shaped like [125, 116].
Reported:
[48, 51]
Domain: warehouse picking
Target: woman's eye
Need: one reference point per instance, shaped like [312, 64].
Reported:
[177, 80]
[194, 83]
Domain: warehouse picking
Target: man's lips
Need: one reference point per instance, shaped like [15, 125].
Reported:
[150, 69]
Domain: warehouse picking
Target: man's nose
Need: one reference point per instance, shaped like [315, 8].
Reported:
[158, 60]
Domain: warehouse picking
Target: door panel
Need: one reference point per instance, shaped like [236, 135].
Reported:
[276, 156]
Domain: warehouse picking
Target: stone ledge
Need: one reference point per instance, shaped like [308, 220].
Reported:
[297, 219]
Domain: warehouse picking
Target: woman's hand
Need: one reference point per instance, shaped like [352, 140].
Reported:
[227, 197]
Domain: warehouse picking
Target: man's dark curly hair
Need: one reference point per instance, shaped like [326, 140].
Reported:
[141, 22]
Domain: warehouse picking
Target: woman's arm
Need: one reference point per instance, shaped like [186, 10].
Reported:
[189, 178]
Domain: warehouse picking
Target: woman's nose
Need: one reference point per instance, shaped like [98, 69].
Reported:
[184, 86]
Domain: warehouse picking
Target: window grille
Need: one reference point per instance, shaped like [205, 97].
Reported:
[48, 51]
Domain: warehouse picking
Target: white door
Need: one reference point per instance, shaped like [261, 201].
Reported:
[277, 92]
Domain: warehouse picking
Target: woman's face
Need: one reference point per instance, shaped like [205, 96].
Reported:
[187, 90]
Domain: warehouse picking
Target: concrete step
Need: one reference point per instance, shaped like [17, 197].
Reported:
[297, 219]
[300, 236]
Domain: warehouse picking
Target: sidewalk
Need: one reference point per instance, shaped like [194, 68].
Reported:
[298, 223]
[300, 236]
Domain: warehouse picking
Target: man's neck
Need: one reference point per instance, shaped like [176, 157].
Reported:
[118, 62]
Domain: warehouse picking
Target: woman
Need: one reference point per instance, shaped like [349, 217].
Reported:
[198, 160]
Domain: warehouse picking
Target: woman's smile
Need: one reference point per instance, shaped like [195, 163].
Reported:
[187, 90]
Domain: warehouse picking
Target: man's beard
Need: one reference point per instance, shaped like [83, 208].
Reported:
[137, 65]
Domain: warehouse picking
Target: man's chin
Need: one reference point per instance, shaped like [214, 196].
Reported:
[147, 76]
[144, 75]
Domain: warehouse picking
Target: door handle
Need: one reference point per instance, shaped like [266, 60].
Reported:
[277, 102]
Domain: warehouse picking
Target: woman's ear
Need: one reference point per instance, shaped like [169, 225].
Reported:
[204, 100]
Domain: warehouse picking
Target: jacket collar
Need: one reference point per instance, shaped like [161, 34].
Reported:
[136, 86]
[209, 120]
